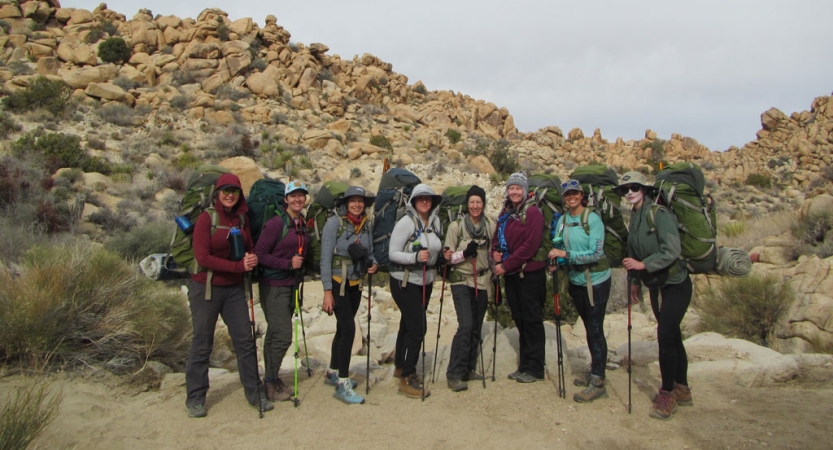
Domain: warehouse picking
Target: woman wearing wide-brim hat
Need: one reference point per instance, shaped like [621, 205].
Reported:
[346, 257]
[654, 258]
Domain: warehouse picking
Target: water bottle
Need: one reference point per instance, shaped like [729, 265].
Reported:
[558, 243]
[184, 224]
[238, 247]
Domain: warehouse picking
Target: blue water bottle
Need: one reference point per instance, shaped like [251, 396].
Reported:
[238, 247]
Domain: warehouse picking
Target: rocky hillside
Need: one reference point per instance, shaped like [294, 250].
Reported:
[185, 72]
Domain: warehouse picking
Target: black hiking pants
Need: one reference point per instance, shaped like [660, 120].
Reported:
[525, 297]
[594, 320]
[345, 309]
[412, 324]
[465, 347]
[673, 360]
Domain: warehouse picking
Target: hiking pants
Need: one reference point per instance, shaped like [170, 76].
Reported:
[594, 319]
[228, 302]
[525, 297]
[673, 360]
[466, 344]
[412, 324]
[278, 303]
[345, 309]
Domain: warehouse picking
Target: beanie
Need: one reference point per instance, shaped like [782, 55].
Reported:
[518, 179]
[478, 191]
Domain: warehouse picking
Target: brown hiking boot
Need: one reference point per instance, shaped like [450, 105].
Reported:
[283, 387]
[472, 376]
[397, 372]
[411, 386]
[457, 385]
[582, 379]
[682, 394]
[274, 393]
[595, 389]
[664, 406]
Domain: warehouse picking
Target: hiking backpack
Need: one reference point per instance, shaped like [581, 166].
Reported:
[681, 188]
[599, 183]
[395, 190]
[318, 212]
[453, 205]
[265, 200]
[545, 190]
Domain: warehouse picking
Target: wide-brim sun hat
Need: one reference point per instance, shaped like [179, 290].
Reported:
[632, 178]
[357, 191]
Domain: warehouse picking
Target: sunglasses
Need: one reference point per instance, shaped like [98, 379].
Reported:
[230, 191]
[632, 188]
[569, 183]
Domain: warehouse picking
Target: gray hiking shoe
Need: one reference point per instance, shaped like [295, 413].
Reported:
[595, 389]
[527, 378]
[514, 375]
[265, 404]
[457, 385]
[197, 411]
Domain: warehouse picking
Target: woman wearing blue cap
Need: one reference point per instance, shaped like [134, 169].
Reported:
[282, 259]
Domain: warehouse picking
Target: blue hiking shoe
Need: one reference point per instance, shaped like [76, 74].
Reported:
[332, 380]
[345, 393]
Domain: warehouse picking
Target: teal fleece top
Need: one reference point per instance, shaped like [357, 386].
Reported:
[584, 248]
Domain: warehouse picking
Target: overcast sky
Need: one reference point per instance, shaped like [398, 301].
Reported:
[705, 69]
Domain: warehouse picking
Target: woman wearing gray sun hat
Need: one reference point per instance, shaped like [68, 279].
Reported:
[346, 257]
[654, 258]
[582, 256]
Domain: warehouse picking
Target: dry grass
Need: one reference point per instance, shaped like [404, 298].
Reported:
[26, 414]
[753, 231]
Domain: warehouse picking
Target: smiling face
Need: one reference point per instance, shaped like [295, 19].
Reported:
[516, 194]
[295, 202]
[572, 199]
[355, 205]
[475, 206]
[229, 197]
[422, 204]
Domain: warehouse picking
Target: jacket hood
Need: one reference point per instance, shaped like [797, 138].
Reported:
[230, 179]
[422, 190]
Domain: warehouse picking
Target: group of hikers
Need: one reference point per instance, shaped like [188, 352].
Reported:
[473, 253]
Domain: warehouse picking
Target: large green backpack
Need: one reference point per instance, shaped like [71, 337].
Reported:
[545, 190]
[599, 182]
[265, 200]
[681, 187]
[322, 207]
[453, 205]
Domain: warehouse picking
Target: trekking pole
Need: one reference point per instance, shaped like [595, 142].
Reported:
[304, 332]
[248, 288]
[562, 391]
[424, 326]
[496, 284]
[476, 295]
[369, 288]
[296, 401]
[629, 342]
[439, 323]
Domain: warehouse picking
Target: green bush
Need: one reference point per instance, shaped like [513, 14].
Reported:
[421, 89]
[815, 234]
[746, 308]
[453, 136]
[114, 50]
[117, 114]
[141, 241]
[381, 141]
[26, 414]
[52, 95]
[75, 301]
[759, 180]
[53, 150]
[502, 159]
[8, 125]
[94, 36]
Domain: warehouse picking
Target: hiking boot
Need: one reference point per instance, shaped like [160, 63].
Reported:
[197, 411]
[345, 393]
[582, 379]
[595, 389]
[275, 393]
[457, 385]
[281, 386]
[527, 378]
[411, 386]
[514, 375]
[332, 380]
[682, 394]
[664, 406]
[264, 404]
[397, 372]
[472, 376]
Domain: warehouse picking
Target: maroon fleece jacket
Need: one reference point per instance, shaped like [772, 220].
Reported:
[212, 251]
[523, 237]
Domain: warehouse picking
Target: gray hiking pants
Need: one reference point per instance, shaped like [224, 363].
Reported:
[466, 344]
[278, 303]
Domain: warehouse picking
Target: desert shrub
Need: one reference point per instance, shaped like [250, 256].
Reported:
[759, 180]
[182, 77]
[226, 92]
[179, 102]
[109, 27]
[112, 222]
[185, 161]
[746, 308]
[222, 30]
[453, 136]
[259, 64]
[26, 414]
[52, 150]
[814, 233]
[94, 36]
[732, 229]
[95, 143]
[141, 241]
[355, 172]
[502, 159]
[325, 74]
[114, 50]
[117, 114]
[19, 68]
[52, 95]
[97, 164]
[381, 141]
[75, 301]
[421, 89]
[278, 118]
[5, 26]
[235, 141]
[827, 173]
[8, 125]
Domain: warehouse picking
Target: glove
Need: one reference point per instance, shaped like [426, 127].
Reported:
[471, 249]
[441, 260]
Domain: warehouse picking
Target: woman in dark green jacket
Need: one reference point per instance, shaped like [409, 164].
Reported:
[654, 258]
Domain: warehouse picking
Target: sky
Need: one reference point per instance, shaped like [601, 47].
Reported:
[704, 69]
